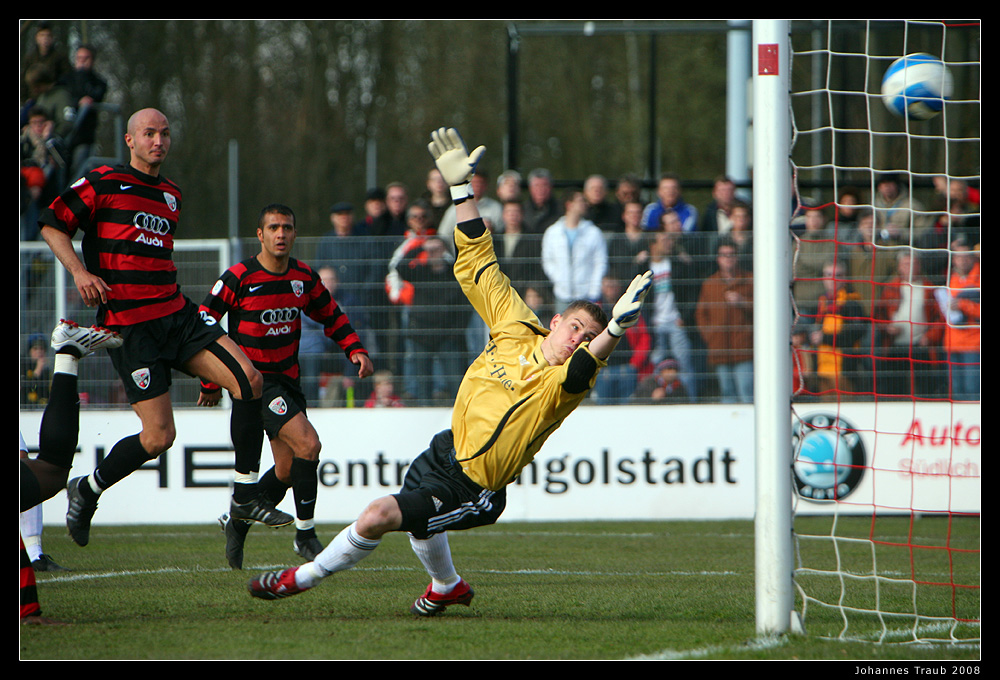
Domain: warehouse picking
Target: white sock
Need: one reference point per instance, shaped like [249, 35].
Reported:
[245, 477]
[31, 531]
[92, 482]
[344, 551]
[435, 555]
[66, 363]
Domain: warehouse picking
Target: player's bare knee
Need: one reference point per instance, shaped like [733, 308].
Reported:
[283, 473]
[157, 439]
[256, 381]
[156, 442]
[310, 449]
[379, 518]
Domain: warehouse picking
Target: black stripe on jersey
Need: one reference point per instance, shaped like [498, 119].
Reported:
[533, 328]
[146, 186]
[496, 432]
[483, 269]
[139, 277]
[121, 306]
[121, 247]
[270, 286]
[125, 217]
[76, 206]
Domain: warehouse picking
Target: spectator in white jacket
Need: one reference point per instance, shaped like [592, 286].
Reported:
[574, 254]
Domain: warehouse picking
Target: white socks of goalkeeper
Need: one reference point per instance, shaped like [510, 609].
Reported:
[349, 548]
[344, 551]
[435, 555]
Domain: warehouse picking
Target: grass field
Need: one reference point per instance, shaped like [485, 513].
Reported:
[606, 591]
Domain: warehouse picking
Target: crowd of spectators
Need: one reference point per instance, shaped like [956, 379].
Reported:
[58, 121]
[885, 290]
[887, 293]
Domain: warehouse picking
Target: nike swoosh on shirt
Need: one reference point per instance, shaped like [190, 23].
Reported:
[254, 289]
[124, 187]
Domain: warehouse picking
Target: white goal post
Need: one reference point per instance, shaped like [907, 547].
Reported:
[772, 326]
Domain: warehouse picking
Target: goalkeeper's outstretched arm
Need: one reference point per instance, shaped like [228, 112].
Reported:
[624, 315]
[457, 165]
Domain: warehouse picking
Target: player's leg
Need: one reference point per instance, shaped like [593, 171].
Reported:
[222, 362]
[60, 427]
[296, 460]
[353, 544]
[225, 364]
[30, 607]
[31, 532]
[432, 493]
[126, 456]
[446, 587]
[356, 541]
[145, 375]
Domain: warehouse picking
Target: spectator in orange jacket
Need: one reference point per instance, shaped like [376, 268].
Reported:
[962, 333]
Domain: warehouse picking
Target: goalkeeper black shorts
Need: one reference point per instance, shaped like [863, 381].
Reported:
[437, 496]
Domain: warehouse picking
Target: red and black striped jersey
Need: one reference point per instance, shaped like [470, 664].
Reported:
[265, 313]
[128, 220]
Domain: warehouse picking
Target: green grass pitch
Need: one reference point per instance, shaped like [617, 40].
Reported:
[560, 591]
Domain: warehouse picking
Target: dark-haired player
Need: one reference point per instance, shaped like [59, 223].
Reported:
[265, 297]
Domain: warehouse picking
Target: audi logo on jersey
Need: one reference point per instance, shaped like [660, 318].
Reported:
[151, 223]
[272, 317]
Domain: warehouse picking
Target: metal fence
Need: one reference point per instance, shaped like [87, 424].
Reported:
[421, 345]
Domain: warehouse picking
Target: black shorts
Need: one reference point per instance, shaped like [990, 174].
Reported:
[437, 496]
[152, 348]
[283, 399]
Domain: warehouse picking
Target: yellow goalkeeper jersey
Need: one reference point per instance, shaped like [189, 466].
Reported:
[510, 399]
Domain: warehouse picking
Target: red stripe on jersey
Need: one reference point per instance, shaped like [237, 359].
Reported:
[155, 310]
[129, 221]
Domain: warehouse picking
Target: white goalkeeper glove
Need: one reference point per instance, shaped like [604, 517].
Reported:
[626, 311]
[454, 161]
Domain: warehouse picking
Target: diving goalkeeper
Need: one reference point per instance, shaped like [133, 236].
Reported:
[522, 387]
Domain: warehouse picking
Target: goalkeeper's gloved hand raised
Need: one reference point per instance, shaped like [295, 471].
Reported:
[626, 311]
[454, 161]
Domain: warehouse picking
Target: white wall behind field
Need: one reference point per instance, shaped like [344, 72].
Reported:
[650, 462]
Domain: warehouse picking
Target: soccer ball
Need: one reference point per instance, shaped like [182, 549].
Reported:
[916, 86]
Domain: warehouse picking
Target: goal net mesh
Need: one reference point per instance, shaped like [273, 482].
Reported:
[886, 338]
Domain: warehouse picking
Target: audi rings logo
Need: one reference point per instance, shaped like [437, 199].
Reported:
[151, 223]
[273, 317]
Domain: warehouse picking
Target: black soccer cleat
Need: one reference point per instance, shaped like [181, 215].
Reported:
[260, 510]
[80, 512]
[236, 535]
